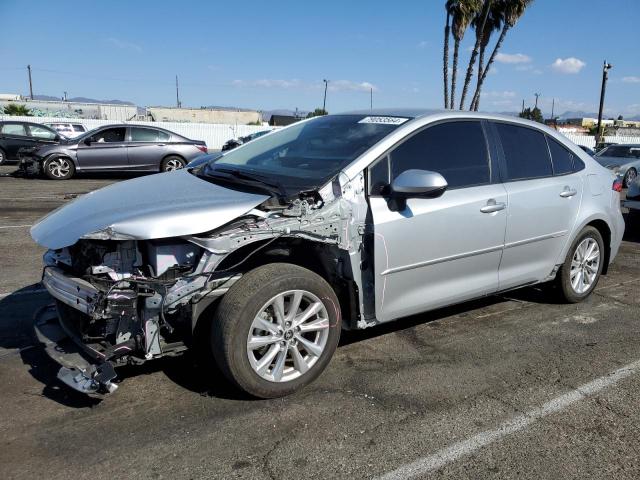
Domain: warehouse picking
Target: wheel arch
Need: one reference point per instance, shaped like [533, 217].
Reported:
[600, 224]
[326, 260]
[54, 155]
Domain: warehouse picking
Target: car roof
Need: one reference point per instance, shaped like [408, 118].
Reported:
[415, 113]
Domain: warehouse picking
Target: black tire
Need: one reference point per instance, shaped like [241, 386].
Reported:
[240, 306]
[563, 279]
[3, 157]
[632, 172]
[171, 163]
[58, 168]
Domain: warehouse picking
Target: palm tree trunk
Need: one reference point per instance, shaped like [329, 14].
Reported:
[445, 62]
[476, 96]
[474, 53]
[474, 103]
[454, 74]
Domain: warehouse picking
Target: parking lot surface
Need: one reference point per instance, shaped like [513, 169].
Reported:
[512, 386]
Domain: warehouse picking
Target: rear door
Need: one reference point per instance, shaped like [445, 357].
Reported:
[438, 251]
[106, 150]
[147, 148]
[544, 197]
[13, 137]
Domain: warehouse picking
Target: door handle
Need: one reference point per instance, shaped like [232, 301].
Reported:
[568, 192]
[493, 206]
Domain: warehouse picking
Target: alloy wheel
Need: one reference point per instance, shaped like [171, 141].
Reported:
[173, 164]
[585, 265]
[288, 336]
[59, 167]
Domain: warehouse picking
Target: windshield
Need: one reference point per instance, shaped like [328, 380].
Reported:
[306, 155]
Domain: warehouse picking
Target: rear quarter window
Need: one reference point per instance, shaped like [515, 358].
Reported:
[561, 157]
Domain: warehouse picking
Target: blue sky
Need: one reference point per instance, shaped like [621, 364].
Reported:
[268, 55]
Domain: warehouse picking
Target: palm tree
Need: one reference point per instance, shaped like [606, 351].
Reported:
[463, 12]
[494, 22]
[445, 54]
[20, 110]
[513, 10]
[479, 22]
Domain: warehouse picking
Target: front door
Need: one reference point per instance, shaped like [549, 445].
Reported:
[438, 251]
[14, 137]
[106, 150]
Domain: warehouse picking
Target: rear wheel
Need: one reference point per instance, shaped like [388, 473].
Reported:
[276, 329]
[629, 177]
[171, 163]
[60, 168]
[581, 270]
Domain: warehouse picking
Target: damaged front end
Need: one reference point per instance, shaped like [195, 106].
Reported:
[124, 300]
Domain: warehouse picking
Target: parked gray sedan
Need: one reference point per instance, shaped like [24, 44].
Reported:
[337, 222]
[114, 148]
[622, 159]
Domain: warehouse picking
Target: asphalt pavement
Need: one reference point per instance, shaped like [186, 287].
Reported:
[511, 386]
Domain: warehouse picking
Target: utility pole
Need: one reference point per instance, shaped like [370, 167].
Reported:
[553, 107]
[30, 83]
[371, 98]
[324, 103]
[177, 93]
[522, 111]
[537, 95]
[605, 77]
[65, 96]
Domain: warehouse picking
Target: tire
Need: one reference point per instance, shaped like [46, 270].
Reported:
[568, 291]
[59, 168]
[252, 299]
[3, 157]
[629, 177]
[171, 163]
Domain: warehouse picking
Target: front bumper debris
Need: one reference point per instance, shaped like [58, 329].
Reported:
[79, 369]
[75, 292]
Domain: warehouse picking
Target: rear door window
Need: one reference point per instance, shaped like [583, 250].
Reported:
[79, 128]
[525, 151]
[14, 129]
[562, 158]
[457, 150]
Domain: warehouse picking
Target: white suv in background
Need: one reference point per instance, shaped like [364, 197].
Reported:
[69, 130]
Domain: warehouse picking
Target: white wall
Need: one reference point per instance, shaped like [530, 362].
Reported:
[215, 135]
[590, 141]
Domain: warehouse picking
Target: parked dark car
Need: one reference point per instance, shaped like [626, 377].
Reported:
[114, 148]
[15, 136]
[236, 142]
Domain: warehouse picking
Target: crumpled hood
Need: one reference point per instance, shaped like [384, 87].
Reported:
[156, 206]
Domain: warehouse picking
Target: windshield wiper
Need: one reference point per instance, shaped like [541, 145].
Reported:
[253, 179]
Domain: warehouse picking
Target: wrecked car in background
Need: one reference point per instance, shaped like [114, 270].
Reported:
[342, 221]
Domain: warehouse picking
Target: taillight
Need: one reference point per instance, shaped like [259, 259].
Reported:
[202, 148]
[617, 185]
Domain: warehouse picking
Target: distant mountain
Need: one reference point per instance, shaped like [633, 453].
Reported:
[81, 100]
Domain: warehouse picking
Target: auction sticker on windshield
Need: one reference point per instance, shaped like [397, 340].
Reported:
[384, 120]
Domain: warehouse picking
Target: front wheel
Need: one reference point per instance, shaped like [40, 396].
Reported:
[581, 270]
[276, 330]
[3, 156]
[59, 168]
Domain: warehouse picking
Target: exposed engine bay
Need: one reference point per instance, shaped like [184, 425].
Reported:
[126, 301]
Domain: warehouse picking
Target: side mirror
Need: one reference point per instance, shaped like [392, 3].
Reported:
[415, 184]
[87, 141]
